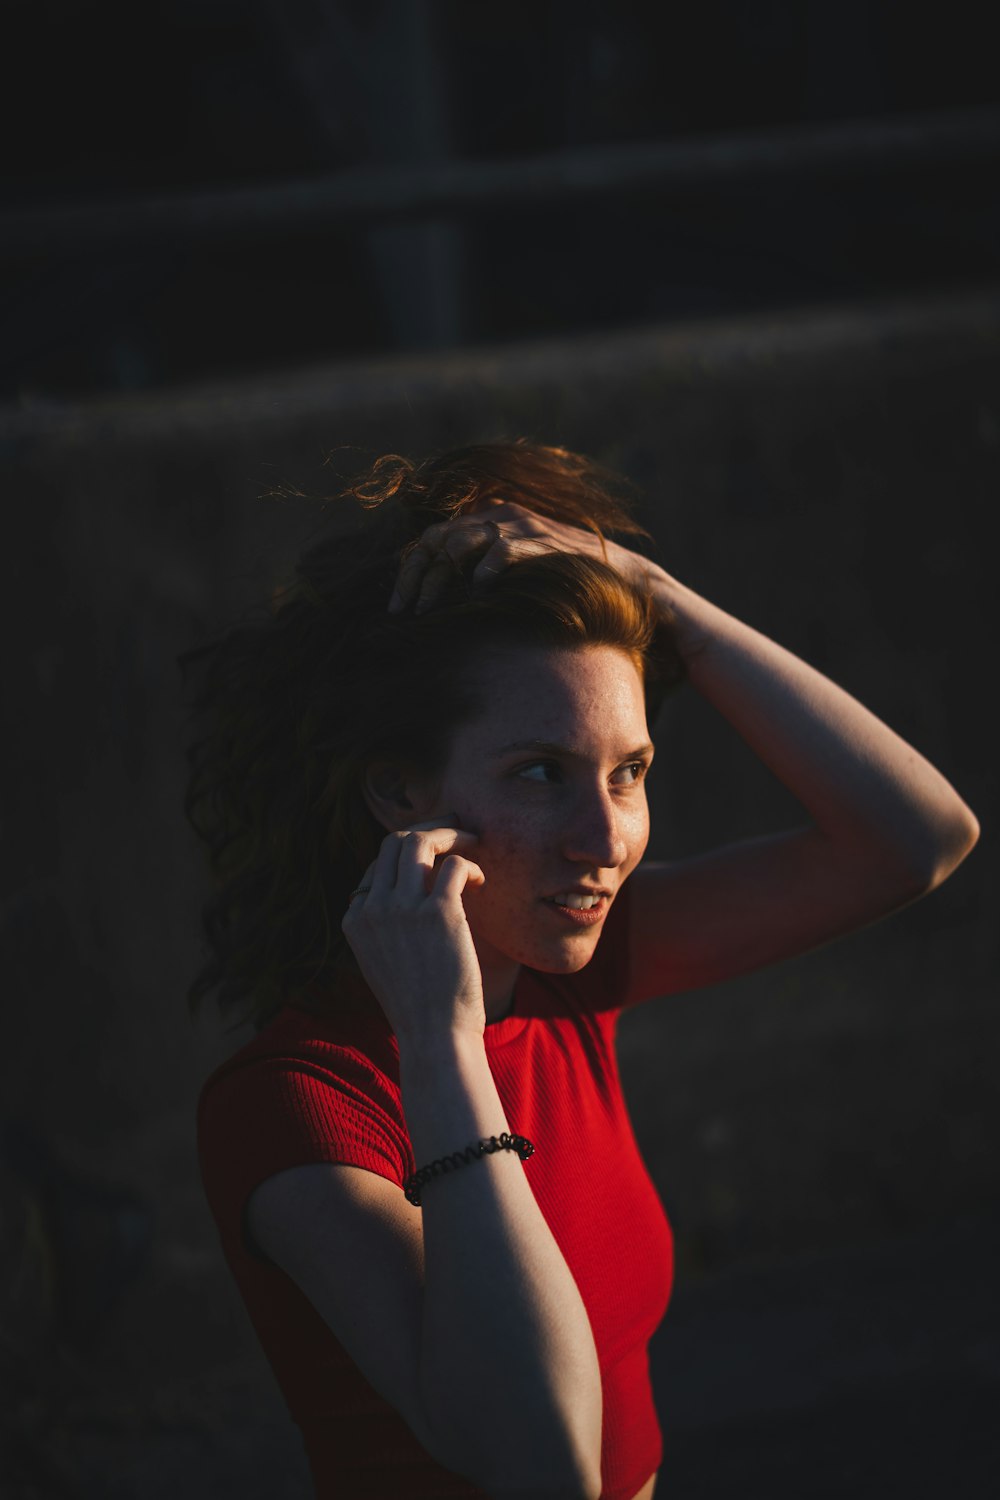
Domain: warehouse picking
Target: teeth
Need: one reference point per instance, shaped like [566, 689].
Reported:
[577, 902]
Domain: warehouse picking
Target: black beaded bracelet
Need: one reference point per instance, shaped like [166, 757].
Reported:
[504, 1142]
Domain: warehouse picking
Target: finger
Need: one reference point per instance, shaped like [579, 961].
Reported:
[494, 561]
[419, 556]
[384, 871]
[436, 578]
[429, 565]
[459, 547]
[453, 876]
[384, 868]
[419, 855]
[411, 570]
[506, 551]
[433, 543]
[525, 522]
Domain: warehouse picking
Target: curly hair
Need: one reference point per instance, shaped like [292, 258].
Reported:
[296, 703]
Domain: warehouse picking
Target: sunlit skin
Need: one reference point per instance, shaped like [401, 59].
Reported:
[510, 825]
[546, 819]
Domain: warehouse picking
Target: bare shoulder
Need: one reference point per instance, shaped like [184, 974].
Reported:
[354, 1245]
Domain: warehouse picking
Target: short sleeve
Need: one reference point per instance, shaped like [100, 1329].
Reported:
[259, 1115]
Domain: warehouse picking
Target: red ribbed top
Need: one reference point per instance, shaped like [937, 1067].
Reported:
[324, 1088]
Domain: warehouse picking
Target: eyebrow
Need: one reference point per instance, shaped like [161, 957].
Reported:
[548, 747]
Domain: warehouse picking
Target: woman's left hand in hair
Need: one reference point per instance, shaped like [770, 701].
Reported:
[500, 533]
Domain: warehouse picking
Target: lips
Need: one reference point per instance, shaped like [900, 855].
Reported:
[583, 915]
[578, 898]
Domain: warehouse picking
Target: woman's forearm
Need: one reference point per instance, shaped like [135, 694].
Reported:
[866, 789]
[509, 1371]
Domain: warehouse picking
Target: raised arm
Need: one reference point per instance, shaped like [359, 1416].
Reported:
[885, 826]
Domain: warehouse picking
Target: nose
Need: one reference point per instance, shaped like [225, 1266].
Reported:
[594, 835]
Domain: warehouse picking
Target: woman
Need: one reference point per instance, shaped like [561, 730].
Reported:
[422, 785]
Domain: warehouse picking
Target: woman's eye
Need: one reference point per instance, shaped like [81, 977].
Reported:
[549, 770]
[543, 766]
[635, 771]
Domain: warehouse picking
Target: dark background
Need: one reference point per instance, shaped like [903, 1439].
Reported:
[112, 102]
[747, 254]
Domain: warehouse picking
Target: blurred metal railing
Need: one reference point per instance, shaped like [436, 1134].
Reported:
[372, 195]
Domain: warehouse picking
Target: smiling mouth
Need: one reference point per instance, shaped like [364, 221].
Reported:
[582, 911]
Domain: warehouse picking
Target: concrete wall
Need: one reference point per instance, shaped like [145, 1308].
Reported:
[827, 477]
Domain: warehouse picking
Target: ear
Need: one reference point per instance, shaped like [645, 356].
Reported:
[396, 795]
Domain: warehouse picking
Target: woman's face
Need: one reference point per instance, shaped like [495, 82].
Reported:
[550, 778]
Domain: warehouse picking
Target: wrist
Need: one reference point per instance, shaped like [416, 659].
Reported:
[449, 1095]
[691, 619]
[429, 1049]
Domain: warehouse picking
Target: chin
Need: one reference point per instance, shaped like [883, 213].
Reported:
[569, 958]
[549, 953]
[571, 964]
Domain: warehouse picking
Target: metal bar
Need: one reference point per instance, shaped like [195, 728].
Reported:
[378, 195]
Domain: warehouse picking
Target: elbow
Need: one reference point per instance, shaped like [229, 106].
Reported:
[574, 1474]
[594, 1486]
[590, 1488]
[527, 1473]
[953, 845]
[556, 1452]
[970, 831]
[587, 1486]
[574, 1478]
[929, 864]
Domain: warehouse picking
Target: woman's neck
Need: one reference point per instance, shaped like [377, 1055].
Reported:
[499, 980]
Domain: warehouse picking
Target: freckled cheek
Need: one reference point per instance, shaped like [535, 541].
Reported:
[506, 856]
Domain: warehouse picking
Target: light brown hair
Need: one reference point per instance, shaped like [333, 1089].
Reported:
[295, 705]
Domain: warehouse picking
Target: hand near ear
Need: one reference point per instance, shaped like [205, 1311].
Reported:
[408, 930]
